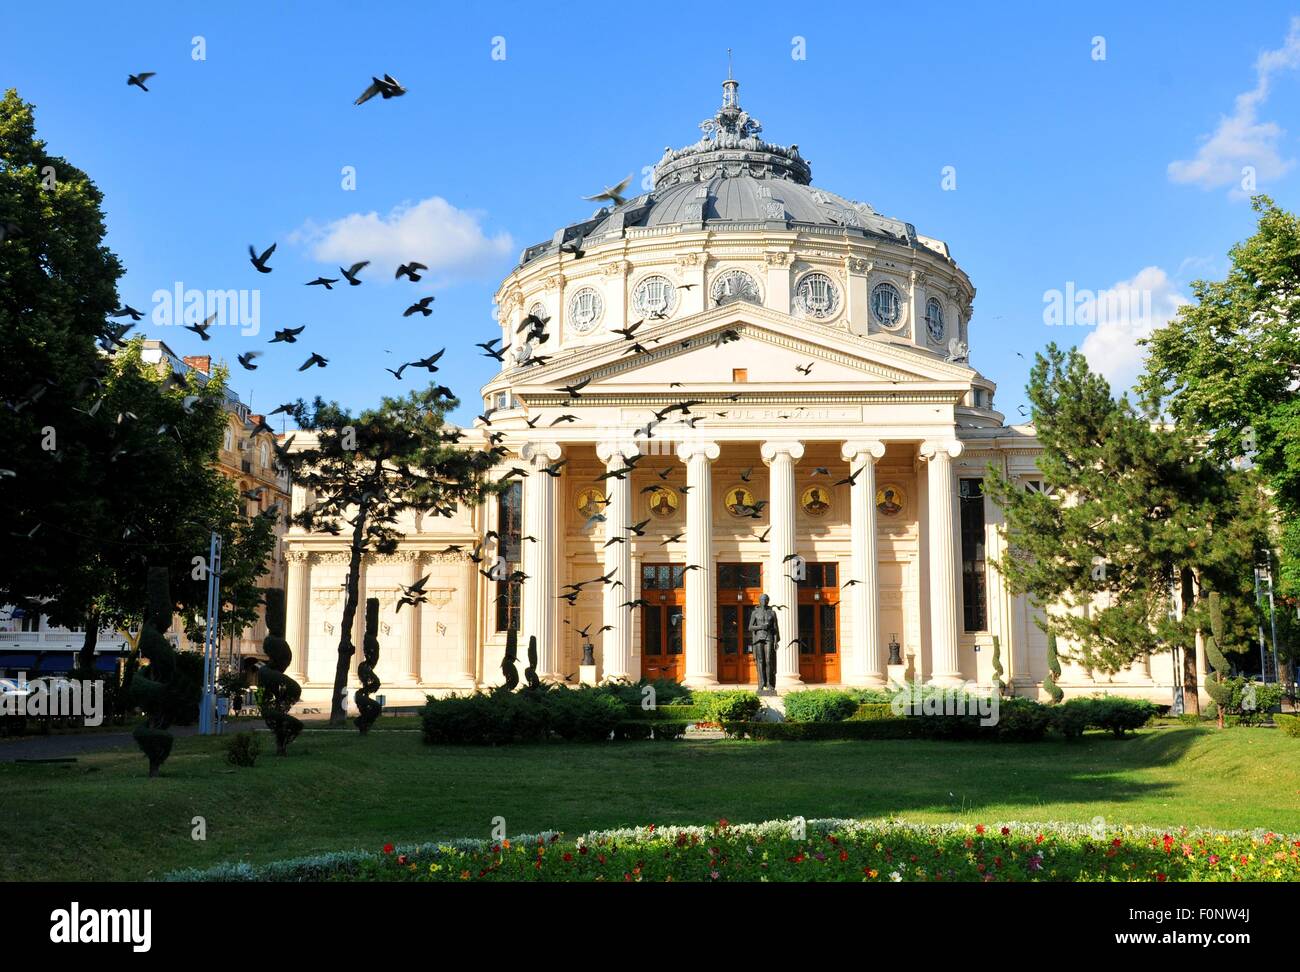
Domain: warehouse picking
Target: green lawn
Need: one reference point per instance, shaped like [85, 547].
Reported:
[102, 819]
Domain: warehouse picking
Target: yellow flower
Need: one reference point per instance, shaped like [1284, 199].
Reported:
[435, 867]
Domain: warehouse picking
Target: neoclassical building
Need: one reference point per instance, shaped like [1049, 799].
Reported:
[736, 383]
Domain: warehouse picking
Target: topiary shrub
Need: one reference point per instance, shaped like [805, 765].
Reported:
[509, 661]
[872, 710]
[530, 673]
[279, 693]
[368, 709]
[153, 688]
[819, 705]
[1022, 720]
[1070, 719]
[1053, 670]
[243, 748]
[584, 714]
[1289, 724]
[998, 684]
[1217, 685]
[738, 705]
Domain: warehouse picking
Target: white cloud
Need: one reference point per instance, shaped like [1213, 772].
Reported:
[1128, 310]
[1242, 139]
[432, 231]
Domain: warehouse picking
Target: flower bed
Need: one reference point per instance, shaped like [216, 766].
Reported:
[818, 850]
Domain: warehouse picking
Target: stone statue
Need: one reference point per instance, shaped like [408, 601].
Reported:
[765, 634]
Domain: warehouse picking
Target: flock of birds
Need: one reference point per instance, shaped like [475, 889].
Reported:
[533, 330]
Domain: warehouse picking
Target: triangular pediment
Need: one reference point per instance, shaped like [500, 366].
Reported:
[702, 352]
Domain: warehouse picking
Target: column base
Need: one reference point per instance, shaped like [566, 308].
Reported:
[867, 681]
[701, 681]
[946, 681]
[587, 674]
[786, 683]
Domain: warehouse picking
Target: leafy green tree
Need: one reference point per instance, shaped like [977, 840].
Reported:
[1140, 511]
[58, 284]
[1229, 366]
[368, 471]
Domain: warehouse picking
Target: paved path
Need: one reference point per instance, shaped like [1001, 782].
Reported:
[53, 747]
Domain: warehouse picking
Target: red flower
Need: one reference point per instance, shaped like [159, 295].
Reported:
[1038, 839]
[401, 858]
[1160, 877]
[979, 828]
[1006, 831]
[844, 856]
[651, 828]
[567, 857]
[388, 848]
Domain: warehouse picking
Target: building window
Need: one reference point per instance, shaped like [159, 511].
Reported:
[886, 305]
[739, 375]
[974, 595]
[934, 321]
[510, 528]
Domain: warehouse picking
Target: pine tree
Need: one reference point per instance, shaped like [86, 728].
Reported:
[1139, 513]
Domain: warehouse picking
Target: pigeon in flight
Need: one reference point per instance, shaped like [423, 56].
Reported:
[421, 306]
[288, 335]
[139, 79]
[202, 329]
[612, 194]
[573, 246]
[352, 271]
[409, 270]
[388, 86]
[247, 359]
[260, 261]
[315, 359]
[326, 282]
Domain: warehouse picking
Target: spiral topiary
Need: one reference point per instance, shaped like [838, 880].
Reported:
[152, 688]
[509, 660]
[530, 673]
[279, 692]
[1217, 686]
[997, 666]
[1053, 670]
[368, 709]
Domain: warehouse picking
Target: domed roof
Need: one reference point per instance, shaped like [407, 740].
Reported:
[733, 180]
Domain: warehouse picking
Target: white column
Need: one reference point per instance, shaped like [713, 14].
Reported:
[780, 586]
[297, 611]
[469, 583]
[616, 646]
[410, 668]
[865, 666]
[539, 608]
[701, 648]
[945, 595]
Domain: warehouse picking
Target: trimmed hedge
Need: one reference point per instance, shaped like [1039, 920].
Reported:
[670, 713]
[872, 710]
[1114, 714]
[819, 705]
[1289, 724]
[894, 728]
[500, 717]
[635, 730]
[728, 705]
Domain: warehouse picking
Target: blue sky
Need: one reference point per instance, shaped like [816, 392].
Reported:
[1062, 160]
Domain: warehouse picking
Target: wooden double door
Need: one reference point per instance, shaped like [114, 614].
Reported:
[739, 588]
[663, 621]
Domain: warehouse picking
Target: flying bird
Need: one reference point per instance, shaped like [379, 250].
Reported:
[352, 271]
[421, 306]
[612, 194]
[247, 359]
[259, 262]
[326, 282]
[388, 86]
[315, 359]
[139, 79]
[805, 369]
[202, 329]
[288, 335]
[576, 387]
[573, 246]
[409, 270]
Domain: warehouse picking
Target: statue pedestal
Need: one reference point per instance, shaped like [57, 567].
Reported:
[767, 693]
[587, 674]
[897, 674]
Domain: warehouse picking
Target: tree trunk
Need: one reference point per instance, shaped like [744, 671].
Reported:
[1191, 688]
[86, 657]
[338, 704]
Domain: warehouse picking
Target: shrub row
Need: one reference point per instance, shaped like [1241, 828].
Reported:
[499, 716]
[1289, 724]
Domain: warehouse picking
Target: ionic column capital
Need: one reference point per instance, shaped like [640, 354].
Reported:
[541, 453]
[940, 448]
[771, 450]
[610, 450]
[687, 450]
[868, 450]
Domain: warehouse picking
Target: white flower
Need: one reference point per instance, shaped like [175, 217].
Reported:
[895, 877]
